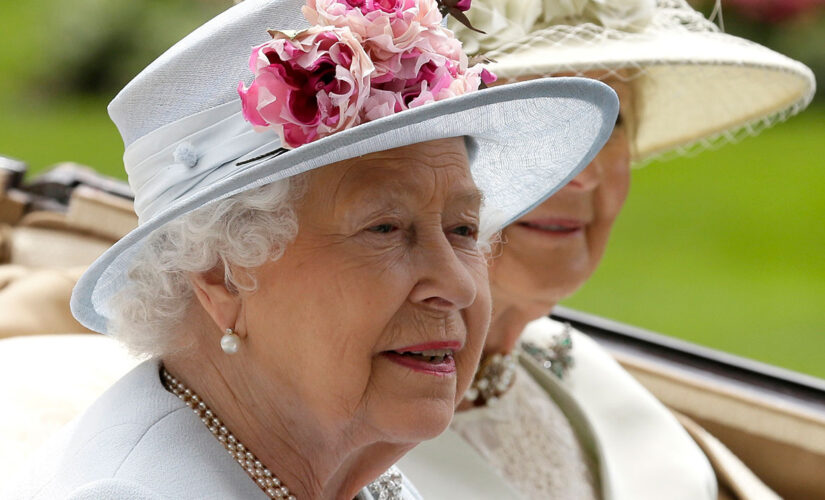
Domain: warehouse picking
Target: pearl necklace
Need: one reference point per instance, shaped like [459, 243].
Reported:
[494, 377]
[388, 486]
[263, 477]
[496, 374]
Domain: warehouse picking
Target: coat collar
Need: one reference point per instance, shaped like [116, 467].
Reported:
[641, 449]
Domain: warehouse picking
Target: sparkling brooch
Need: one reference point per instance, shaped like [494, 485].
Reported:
[554, 357]
[495, 375]
[387, 486]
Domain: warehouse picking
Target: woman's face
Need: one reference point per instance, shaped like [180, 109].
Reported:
[375, 316]
[550, 252]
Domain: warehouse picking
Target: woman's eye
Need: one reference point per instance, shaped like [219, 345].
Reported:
[466, 231]
[382, 228]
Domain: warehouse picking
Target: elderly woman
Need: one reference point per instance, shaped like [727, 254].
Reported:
[308, 277]
[534, 426]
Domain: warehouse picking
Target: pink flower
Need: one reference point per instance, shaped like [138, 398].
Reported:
[391, 59]
[389, 29]
[362, 15]
[463, 5]
[363, 60]
[422, 78]
[386, 27]
[308, 84]
[487, 76]
[775, 11]
[423, 87]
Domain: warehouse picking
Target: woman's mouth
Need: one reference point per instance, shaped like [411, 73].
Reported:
[554, 227]
[435, 358]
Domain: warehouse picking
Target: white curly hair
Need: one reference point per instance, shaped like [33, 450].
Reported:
[244, 230]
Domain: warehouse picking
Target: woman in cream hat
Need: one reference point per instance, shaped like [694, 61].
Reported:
[550, 414]
[308, 278]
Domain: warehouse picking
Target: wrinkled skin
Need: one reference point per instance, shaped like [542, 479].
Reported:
[386, 257]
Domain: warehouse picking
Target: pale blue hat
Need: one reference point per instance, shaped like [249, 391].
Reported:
[187, 143]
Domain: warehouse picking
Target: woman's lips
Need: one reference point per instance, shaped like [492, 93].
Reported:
[435, 358]
[553, 226]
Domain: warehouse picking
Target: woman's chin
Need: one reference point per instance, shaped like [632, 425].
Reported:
[413, 398]
[423, 429]
[414, 421]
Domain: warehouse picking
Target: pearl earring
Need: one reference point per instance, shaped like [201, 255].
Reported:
[230, 342]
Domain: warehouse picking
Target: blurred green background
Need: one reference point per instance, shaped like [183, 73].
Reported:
[724, 249]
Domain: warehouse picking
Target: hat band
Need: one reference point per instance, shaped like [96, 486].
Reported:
[173, 161]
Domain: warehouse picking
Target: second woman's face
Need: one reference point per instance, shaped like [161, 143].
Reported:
[374, 318]
[550, 252]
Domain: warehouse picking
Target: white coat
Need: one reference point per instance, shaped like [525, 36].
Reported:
[140, 442]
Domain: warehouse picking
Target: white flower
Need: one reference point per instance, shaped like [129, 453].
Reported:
[506, 21]
[623, 15]
[559, 11]
[502, 20]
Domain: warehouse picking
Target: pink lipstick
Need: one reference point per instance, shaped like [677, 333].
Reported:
[434, 358]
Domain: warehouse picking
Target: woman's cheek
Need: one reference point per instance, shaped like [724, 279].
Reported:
[477, 318]
[617, 180]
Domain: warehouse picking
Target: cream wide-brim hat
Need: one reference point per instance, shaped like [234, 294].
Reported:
[187, 143]
[694, 87]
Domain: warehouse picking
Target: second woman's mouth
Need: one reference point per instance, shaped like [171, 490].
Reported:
[559, 227]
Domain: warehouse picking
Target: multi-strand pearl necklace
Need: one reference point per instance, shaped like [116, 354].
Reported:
[263, 477]
[494, 377]
[388, 486]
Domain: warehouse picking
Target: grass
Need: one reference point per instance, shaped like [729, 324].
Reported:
[726, 249]
[78, 131]
[46, 131]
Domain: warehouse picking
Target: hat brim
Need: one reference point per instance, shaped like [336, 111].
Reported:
[525, 142]
[694, 90]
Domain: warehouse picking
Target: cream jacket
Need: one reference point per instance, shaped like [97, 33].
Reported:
[641, 450]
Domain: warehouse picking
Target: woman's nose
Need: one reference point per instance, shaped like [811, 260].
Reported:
[445, 283]
[589, 178]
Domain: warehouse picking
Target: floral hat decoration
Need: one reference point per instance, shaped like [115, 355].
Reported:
[326, 81]
[359, 62]
[362, 60]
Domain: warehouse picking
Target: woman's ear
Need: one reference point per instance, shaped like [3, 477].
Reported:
[217, 297]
